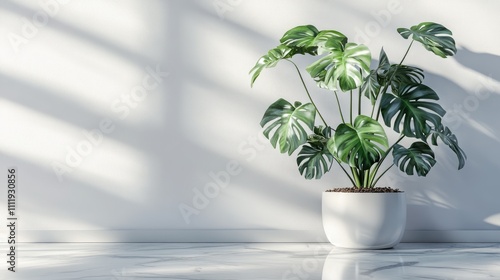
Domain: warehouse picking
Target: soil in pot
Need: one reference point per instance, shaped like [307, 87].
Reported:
[365, 190]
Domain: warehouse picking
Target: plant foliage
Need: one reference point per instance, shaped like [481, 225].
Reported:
[419, 157]
[286, 124]
[314, 159]
[411, 107]
[359, 142]
[433, 36]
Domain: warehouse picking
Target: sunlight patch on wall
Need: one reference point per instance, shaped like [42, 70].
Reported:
[77, 70]
[123, 23]
[483, 128]
[78, 54]
[493, 219]
[116, 169]
[106, 20]
[107, 163]
[33, 137]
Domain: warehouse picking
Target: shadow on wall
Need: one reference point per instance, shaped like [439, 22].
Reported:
[448, 199]
[484, 63]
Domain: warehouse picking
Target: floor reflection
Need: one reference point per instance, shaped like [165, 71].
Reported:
[416, 261]
[262, 261]
[341, 264]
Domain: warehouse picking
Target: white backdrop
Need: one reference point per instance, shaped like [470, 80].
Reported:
[135, 120]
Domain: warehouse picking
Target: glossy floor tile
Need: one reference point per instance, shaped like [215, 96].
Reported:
[126, 261]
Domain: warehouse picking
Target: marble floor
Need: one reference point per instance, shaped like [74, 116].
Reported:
[221, 261]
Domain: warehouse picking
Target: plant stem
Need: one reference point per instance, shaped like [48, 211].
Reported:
[367, 178]
[384, 91]
[307, 91]
[356, 177]
[374, 172]
[359, 102]
[375, 182]
[317, 110]
[406, 53]
[338, 105]
[373, 109]
[345, 171]
[350, 106]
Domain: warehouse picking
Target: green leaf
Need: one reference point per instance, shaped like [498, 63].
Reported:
[371, 87]
[419, 157]
[360, 145]
[320, 136]
[331, 38]
[404, 74]
[435, 38]
[448, 138]
[341, 68]
[314, 159]
[383, 64]
[314, 162]
[285, 121]
[413, 112]
[300, 36]
[270, 60]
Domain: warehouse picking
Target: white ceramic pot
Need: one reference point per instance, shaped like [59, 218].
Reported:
[364, 220]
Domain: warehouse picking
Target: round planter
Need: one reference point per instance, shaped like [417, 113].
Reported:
[364, 220]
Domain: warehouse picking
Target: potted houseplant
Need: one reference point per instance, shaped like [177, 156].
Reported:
[363, 216]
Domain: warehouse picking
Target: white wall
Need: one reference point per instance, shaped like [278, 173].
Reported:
[74, 66]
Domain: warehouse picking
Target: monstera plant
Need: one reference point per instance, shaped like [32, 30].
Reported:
[359, 144]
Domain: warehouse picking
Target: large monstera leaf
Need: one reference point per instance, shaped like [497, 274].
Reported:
[342, 68]
[411, 107]
[329, 39]
[310, 40]
[304, 39]
[448, 138]
[297, 40]
[360, 145]
[270, 60]
[418, 158]
[300, 36]
[286, 123]
[404, 74]
[314, 159]
[435, 38]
